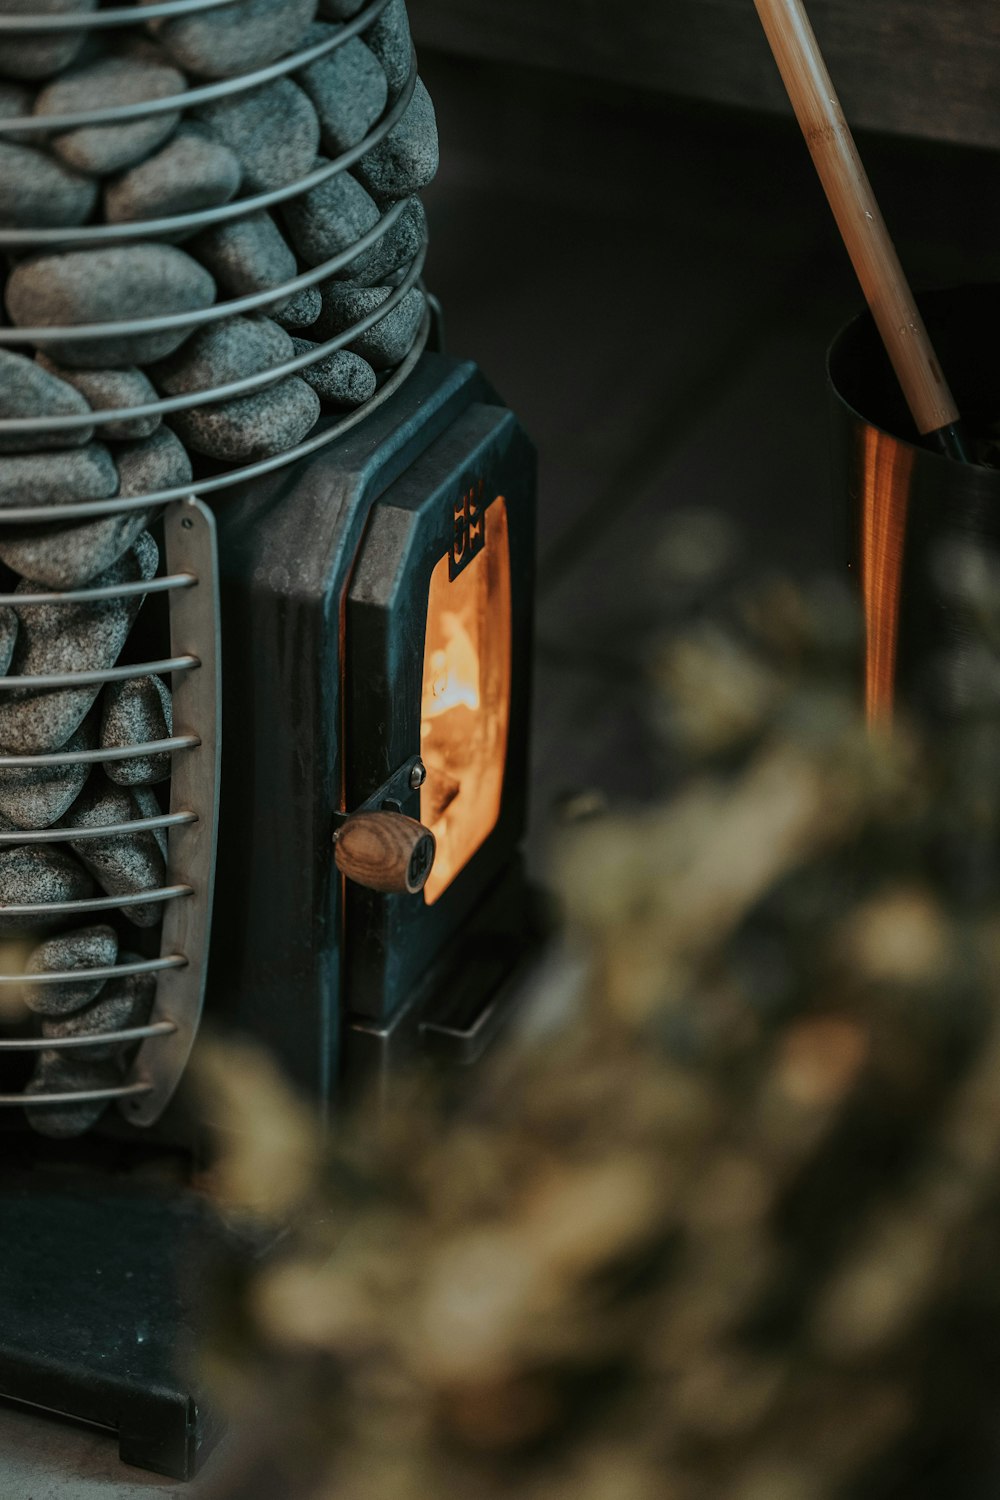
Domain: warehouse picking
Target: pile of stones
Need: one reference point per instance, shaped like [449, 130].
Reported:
[39, 639]
[174, 166]
[260, 139]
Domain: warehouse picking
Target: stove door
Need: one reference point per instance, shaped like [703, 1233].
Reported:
[438, 652]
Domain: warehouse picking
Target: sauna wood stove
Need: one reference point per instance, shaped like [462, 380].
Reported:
[375, 603]
[333, 803]
[382, 594]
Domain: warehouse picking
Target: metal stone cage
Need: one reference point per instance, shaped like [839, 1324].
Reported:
[189, 568]
[190, 584]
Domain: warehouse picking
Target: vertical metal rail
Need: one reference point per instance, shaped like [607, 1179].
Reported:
[194, 788]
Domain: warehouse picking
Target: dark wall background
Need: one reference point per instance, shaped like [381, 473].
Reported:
[652, 281]
[922, 67]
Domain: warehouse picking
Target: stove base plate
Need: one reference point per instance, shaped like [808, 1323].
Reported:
[98, 1309]
[479, 984]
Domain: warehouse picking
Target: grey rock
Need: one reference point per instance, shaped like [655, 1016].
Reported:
[405, 160]
[389, 38]
[396, 248]
[123, 1003]
[111, 390]
[344, 379]
[236, 38]
[109, 285]
[39, 192]
[125, 864]
[301, 311]
[68, 638]
[119, 80]
[31, 873]
[387, 341]
[37, 796]
[84, 948]
[65, 556]
[131, 42]
[148, 806]
[331, 218]
[265, 423]
[136, 712]
[273, 132]
[262, 423]
[189, 173]
[8, 636]
[37, 54]
[58, 556]
[247, 256]
[66, 477]
[62, 1073]
[223, 352]
[157, 463]
[348, 88]
[339, 10]
[16, 101]
[27, 390]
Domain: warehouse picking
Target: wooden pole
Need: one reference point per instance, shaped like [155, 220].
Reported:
[860, 221]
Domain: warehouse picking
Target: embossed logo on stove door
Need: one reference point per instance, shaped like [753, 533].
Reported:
[469, 528]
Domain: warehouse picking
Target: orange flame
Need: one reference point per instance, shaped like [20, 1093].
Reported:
[453, 670]
[465, 703]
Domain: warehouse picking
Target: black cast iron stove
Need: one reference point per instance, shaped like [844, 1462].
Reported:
[380, 594]
[336, 576]
[265, 624]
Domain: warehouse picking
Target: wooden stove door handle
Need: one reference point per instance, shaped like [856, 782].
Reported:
[385, 851]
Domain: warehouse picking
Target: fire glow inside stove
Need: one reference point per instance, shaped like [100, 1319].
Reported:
[264, 718]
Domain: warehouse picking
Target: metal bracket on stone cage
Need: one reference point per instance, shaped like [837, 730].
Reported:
[189, 533]
[192, 821]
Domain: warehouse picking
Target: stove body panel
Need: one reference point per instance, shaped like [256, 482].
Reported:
[289, 548]
[396, 939]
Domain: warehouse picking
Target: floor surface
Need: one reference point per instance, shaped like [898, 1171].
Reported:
[652, 289]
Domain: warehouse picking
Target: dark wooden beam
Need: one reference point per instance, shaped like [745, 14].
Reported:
[915, 67]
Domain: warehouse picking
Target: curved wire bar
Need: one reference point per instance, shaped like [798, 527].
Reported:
[96, 1039]
[99, 756]
[89, 20]
[95, 903]
[205, 94]
[67, 237]
[18, 836]
[107, 971]
[217, 482]
[107, 674]
[83, 1096]
[198, 317]
[24, 426]
[164, 585]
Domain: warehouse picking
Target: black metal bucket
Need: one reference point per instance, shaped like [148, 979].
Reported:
[920, 521]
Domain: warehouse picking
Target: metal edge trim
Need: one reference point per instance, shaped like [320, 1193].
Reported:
[190, 541]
